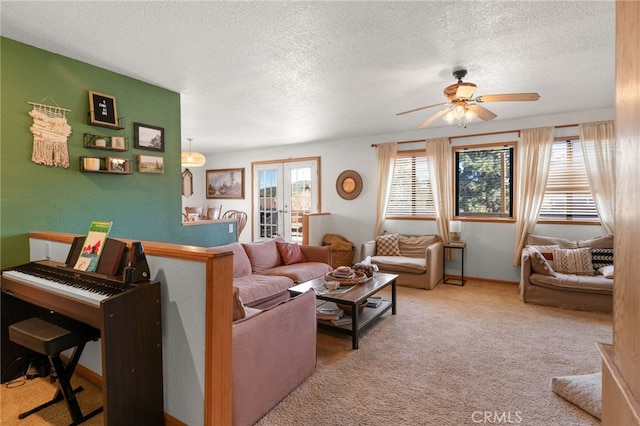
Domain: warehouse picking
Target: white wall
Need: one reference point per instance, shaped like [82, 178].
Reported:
[490, 245]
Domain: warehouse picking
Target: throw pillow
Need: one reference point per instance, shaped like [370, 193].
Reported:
[607, 271]
[263, 255]
[547, 252]
[539, 264]
[601, 257]
[573, 261]
[238, 307]
[387, 245]
[291, 253]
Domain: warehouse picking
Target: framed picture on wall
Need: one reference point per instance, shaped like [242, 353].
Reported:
[102, 110]
[225, 183]
[150, 164]
[148, 137]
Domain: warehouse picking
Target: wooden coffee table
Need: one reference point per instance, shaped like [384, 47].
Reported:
[353, 298]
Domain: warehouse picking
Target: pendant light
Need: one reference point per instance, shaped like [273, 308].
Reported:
[192, 158]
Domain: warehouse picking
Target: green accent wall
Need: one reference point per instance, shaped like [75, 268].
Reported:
[36, 197]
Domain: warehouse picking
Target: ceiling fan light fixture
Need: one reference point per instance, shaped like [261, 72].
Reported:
[192, 158]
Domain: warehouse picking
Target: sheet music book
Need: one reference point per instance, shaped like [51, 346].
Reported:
[93, 246]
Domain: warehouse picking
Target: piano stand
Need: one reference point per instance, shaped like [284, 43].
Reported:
[50, 337]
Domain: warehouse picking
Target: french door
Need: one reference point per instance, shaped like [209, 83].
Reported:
[282, 193]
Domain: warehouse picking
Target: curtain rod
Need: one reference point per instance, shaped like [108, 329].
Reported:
[375, 145]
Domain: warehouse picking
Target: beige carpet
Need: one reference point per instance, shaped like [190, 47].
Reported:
[23, 395]
[452, 356]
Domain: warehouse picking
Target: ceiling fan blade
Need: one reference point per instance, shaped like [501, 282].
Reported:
[434, 117]
[482, 113]
[507, 97]
[421, 108]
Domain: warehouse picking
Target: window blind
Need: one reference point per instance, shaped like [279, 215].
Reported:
[568, 195]
[411, 193]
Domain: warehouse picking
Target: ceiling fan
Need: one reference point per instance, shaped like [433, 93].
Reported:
[463, 108]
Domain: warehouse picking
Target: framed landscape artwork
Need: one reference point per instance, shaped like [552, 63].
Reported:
[225, 183]
[148, 137]
[150, 164]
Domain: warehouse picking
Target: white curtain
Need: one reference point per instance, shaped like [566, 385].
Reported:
[598, 147]
[535, 158]
[386, 166]
[438, 155]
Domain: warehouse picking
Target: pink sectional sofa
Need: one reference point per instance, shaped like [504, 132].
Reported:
[274, 334]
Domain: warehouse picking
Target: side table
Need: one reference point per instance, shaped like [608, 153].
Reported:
[457, 245]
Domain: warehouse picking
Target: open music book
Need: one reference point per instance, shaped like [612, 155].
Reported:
[93, 246]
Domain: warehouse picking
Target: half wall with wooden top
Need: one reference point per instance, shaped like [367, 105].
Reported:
[196, 287]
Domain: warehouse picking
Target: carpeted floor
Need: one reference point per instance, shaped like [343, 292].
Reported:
[452, 356]
[23, 395]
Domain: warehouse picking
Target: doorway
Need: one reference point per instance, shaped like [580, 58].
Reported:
[283, 192]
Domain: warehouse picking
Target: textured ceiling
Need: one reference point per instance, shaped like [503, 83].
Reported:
[254, 74]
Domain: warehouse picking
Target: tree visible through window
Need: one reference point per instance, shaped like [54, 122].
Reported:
[411, 188]
[484, 180]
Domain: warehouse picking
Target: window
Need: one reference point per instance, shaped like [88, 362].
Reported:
[568, 195]
[484, 180]
[411, 188]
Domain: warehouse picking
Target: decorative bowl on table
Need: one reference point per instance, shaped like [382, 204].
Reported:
[354, 279]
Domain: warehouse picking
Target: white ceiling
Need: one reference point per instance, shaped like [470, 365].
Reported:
[255, 74]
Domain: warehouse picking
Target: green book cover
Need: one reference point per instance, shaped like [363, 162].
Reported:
[93, 246]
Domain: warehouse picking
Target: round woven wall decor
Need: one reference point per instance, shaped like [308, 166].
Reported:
[349, 184]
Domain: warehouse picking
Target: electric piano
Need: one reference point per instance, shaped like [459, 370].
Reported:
[120, 300]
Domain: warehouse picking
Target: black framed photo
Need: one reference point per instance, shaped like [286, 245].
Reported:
[148, 137]
[102, 110]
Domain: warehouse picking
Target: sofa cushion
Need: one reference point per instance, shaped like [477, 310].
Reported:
[263, 255]
[539, 240]
[241, 265]
[290, 252]
[387, 245]
[300, 272]
[539, 264]
[605, 241]
[238, 307]
[582, 283]
[601, 257]
[255, 289]
[411, 265]
[573, 261]
[415, 246]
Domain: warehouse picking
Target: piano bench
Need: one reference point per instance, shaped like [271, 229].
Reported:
[50, 335]
[49, 338]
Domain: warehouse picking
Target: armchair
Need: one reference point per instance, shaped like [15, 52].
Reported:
[417, 260]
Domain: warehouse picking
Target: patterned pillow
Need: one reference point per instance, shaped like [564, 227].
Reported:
[573, 261]
[601, 257]
[539, 264]
[387, 245]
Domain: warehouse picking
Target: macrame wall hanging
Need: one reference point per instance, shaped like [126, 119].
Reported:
[50, 131]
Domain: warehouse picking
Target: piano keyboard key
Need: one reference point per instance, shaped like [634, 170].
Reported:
[72, 288]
